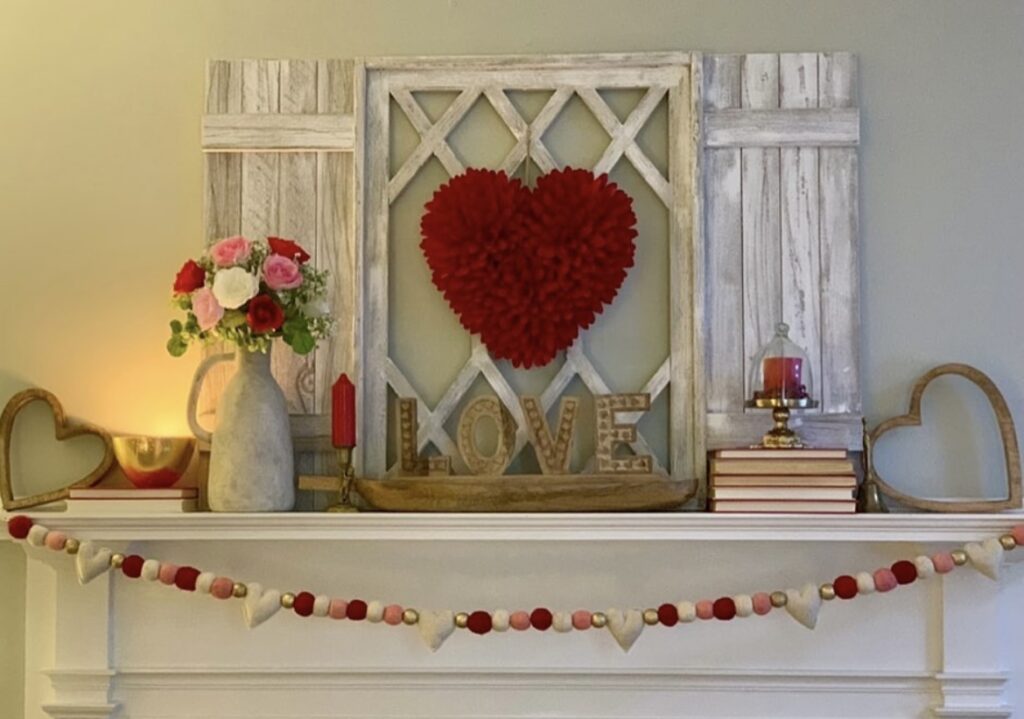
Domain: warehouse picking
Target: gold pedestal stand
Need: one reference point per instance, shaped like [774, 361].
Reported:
[342, 484]
[780, 436]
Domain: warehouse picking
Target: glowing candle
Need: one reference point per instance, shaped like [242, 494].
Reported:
[782, 377]
[343, 413]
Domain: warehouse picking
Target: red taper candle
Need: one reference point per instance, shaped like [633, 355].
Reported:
[343, 412]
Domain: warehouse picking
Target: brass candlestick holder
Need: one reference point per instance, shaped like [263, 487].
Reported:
[781, 436]
[342, 484]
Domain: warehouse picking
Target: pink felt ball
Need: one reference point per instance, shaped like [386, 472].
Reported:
[705, 609]
[337, 609]
[56, 541]
[1018, 534]
[520, 621]
[581, 619]
[167, 573]
[943, 562]
[885, 580]
[222, 588]
[393, 614]
[762, 603]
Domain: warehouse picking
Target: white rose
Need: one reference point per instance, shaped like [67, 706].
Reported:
[234, 287]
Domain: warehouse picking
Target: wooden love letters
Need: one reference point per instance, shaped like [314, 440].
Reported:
[553, 450]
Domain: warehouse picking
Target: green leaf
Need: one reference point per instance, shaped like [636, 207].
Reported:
[176, 326]
[176, 346]
[302, 342]
[233, 318]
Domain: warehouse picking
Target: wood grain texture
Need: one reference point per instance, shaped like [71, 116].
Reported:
[1007, 433]
[526, 493]
[62, 430]
[785, 127]
[724, 243]
[782, 230]
[798, 178]
[840, 254]
[762, 293]
[287, 132]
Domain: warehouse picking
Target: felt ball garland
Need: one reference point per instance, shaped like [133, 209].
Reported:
[435, 626]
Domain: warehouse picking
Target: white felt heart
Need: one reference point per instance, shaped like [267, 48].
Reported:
[986, 557]
[435, 627]
[91, 561]
[260, 605]
[804, 605]
[625, 626]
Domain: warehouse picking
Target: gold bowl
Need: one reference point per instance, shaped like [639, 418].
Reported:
[153, 462]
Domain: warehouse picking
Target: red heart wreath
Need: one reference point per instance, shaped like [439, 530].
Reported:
[527, 269]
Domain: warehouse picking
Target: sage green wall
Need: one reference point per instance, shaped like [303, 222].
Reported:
[100, 182]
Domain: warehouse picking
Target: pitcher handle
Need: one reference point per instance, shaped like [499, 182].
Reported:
[198, 378]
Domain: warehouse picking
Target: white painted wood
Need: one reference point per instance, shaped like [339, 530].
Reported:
[199, 527]
[798, 166]
[800, 127]
[762, 296]
[724, 247]
[287, 132]
[840, 256]
[784, 192]
[475, 79]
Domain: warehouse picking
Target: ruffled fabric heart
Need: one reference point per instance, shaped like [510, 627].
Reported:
[527, 270]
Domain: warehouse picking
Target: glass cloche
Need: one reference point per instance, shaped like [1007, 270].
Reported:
[781, 379]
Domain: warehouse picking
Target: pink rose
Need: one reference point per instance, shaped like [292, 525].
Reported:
[206, 308]
[281, 273]
[231, 251]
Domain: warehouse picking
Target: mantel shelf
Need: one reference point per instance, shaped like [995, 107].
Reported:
[300, 526]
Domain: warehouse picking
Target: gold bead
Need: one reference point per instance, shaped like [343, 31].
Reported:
[959, 557]
[287, 600]
[410, 617]
[779, 599]
[1008, 541]
[239, 591]
[598, 620]
[461, 620]
[116, 560]
[650, 617]
[827, 592]
[72, 546]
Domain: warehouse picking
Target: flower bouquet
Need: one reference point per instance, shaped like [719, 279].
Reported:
[248, 293]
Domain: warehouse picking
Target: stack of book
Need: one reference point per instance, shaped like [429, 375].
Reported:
[783, 481]
[128, 500]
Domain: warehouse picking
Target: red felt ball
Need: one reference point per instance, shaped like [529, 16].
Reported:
[845, 586]
[724, 608]
[905, 571]
[356, 610]
[18, 526]
[304, 604]
[541, 618]
[132, 566]
[185, 579]
[668, 615]
[479, 622]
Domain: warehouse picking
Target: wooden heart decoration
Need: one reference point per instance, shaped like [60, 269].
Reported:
[1007, 431]
[525, 269]
[62, 430]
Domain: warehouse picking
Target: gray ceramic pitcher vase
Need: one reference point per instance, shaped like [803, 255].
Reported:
[251, 454]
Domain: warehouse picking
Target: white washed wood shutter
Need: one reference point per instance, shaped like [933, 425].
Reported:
[780, 191]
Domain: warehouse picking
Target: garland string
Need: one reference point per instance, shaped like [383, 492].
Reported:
[259, 604]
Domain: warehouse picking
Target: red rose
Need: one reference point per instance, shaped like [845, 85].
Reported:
[190, 277]
[264, 314]
[288, 248]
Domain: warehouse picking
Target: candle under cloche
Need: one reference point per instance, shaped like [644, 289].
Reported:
[781, 380]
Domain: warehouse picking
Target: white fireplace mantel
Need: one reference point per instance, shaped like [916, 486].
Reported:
[944, 647]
